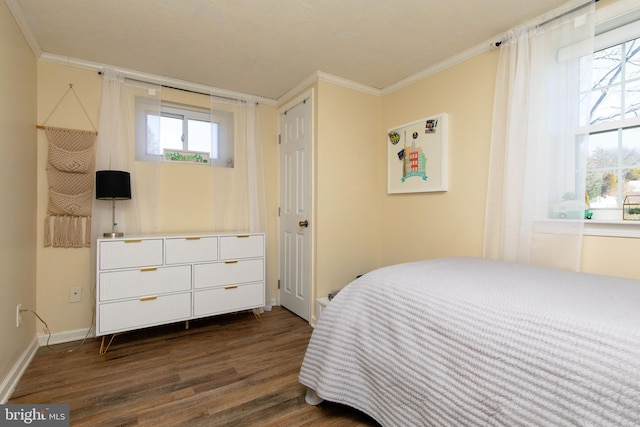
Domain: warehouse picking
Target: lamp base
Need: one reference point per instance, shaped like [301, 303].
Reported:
[113, 235]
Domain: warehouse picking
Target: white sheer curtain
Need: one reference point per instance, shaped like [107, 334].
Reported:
[116, 151]
[255, 172]
[238, 193]
[536, 188]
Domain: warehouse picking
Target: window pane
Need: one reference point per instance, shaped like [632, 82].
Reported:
[602, 188]
[603, 150]
[606, 67]
[602, 166]
[631, 147]
[606, 105]
[631, 183]
[171, 133]
[631, 160]
[203, 136]
[633, 59]
[632, 100]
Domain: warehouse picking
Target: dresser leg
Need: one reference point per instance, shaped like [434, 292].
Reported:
[186, 324]
[257, 315]
[103, 350]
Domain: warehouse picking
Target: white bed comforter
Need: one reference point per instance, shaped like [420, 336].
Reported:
[473, 342]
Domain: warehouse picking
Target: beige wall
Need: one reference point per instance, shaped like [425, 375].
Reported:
[613, 256]
[61, 268]
[18, 186]
[348, 236]
[184, 204]
[429, 225]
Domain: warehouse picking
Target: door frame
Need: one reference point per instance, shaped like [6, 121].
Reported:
[310, 95]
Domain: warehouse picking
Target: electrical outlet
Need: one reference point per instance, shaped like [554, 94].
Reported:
[18, 315]
[75, 294]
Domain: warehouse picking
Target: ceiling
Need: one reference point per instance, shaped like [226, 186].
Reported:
[267, 47]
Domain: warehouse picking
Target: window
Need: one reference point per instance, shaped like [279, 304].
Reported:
[184, 128]
[613, 155]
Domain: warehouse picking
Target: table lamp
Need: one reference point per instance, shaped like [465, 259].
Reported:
[113, 185]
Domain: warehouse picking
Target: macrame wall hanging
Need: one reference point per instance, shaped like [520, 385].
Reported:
[70, 172]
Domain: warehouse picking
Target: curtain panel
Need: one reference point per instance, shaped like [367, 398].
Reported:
[538, 148]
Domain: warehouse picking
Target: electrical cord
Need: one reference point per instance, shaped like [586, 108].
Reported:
[48, 331]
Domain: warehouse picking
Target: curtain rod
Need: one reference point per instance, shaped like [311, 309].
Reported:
[499, 43]
[185, 90]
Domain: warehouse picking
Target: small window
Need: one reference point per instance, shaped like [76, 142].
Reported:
[187, 128]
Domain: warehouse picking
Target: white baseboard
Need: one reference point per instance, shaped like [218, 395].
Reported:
[11, 380]
[62, 337]
[80, 334]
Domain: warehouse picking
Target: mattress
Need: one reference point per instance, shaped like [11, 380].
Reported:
[476, 342]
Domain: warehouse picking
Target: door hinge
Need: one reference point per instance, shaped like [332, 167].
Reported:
[278, 210]
[279, 139]
[278, 283]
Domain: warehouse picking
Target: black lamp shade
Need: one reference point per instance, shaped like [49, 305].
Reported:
[113, 185]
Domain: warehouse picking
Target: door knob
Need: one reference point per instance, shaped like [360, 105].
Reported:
[304, 223]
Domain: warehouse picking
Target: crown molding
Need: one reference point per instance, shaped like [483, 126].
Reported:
[339, 81]
[329, 78]
[18, 15]
[160, 80]
[304, 84]
[441, 66]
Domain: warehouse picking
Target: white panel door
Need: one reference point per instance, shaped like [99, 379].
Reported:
[295, 209]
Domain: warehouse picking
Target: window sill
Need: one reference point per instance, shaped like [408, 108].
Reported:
[617, 228]
[592, 227]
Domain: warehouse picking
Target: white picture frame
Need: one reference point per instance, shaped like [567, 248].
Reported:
[417, 156]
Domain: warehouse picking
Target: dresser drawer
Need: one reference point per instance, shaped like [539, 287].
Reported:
[228, 273]
[241, 246]
[145, 281]
[191, 249]
[139, 313]
[228, 299]
[130, 253]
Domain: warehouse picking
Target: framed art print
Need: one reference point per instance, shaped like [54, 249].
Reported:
[417, 156]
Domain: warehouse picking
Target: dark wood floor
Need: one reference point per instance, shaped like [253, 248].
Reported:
[229, 370]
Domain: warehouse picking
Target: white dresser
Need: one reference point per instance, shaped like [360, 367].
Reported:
[157, 279]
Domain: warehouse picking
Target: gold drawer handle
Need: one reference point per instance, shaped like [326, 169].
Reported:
[230, 287]
[149, 298]
[243, 236]
[148, 269]
[133, 241]
[231, 262]
[193, 238]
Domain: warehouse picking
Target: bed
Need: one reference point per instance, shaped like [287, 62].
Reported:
[476, 342]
